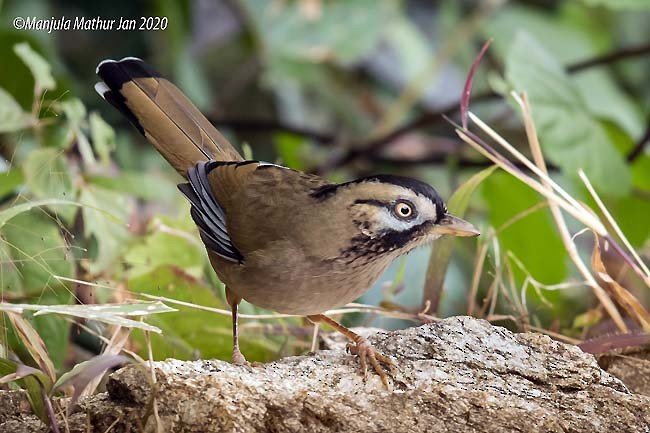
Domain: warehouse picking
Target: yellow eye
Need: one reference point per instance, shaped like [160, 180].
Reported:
[403, 210]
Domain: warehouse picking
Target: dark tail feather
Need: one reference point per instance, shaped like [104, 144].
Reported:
[162, 113]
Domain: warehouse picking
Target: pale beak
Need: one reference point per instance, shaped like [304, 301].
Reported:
[451, 225]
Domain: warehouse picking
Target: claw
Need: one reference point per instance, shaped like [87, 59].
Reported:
[368, 354]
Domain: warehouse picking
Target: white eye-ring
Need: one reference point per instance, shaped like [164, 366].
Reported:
[404, 209]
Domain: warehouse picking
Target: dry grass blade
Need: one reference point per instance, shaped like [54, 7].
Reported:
[568, 203]
[639, 267]
[33, 343]
[622, 296]
[570, 246]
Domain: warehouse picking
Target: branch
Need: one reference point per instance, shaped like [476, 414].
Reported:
[638, 148]
[611, 57]
[270, 125]
[429, 118]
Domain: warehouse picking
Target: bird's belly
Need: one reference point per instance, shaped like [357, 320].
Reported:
[307, 289]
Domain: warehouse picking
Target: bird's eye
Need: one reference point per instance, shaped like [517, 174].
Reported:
[403, 210]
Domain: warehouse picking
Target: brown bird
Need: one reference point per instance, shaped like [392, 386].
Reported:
[278, 238]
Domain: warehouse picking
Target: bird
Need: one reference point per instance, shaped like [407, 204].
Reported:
[279, 238]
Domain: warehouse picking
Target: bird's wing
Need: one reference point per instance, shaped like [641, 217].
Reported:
[242, 206]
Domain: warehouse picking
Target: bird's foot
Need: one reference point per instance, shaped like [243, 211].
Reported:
[238, 358]
[369, 355]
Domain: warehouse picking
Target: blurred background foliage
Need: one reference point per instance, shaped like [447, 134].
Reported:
[338, 88]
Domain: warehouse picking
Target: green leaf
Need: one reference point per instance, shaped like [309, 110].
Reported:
[533, 239]
[167, 244]
[641, 173]
[10, 277]
[570, 136]
[342, 31]
[145, 185]
[10, 180]
[631, 214]
[289, 147]
[192, 333]
[12, 116]
[47, 175]
[620, 4]
[75, 112]
[33, 243]
[568, 42]
[39, 67]
[11, 212]
[54, 330]
[103, 137]
[34, 344]
[458, 202]
[442, 248]
[105, 214]
[24, 371]
[30, 384]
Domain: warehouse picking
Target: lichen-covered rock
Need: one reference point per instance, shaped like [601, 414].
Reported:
[454, 375]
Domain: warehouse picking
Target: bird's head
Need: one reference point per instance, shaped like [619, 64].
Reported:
[393, 215]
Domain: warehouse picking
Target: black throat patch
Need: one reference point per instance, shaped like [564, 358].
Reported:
[365, 248]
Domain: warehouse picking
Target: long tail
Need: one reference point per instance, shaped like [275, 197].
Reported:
[162, 113]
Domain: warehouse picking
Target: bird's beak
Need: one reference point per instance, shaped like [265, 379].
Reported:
[451, 225]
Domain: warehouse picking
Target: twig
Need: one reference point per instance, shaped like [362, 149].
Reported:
[264, 125]
[640, 145]
[611, 57]
[357, 150]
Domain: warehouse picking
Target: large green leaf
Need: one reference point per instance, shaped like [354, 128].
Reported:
[47, 175]
[533, 239]
[571, 137]
[192, 333]
[568, 43]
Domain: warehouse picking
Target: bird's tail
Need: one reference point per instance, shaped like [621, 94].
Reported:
[162, 113]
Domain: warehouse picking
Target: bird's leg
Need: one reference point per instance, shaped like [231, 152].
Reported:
[233, 301]
[361, 347]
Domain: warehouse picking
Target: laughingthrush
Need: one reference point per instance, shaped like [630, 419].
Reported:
[279, 238]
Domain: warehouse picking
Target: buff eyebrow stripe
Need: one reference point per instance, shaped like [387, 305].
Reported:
[371, 202]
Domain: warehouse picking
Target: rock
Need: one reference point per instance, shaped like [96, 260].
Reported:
[454, 375]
